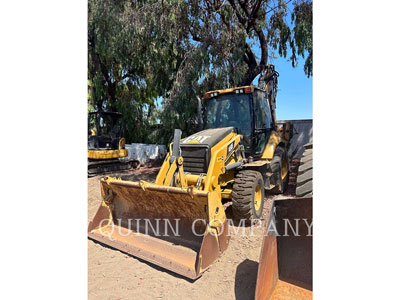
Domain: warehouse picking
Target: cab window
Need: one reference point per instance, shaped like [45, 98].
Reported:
[263, 121]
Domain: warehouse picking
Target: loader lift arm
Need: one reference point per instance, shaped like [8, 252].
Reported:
[167, 172]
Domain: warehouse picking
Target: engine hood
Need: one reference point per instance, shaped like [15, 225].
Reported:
[208, 137]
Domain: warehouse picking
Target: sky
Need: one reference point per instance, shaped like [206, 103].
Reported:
[294, 98]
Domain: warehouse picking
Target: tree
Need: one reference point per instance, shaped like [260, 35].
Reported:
[223, 35]
[133, 53]
[302, 17]
[230, 29]
[141, 51]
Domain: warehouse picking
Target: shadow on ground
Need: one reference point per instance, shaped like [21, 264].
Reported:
[245, 280]
[144, 173]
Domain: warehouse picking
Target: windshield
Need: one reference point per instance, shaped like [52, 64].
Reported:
[106, 124]
[230, 110]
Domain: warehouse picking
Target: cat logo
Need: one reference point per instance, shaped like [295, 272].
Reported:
[195, 139]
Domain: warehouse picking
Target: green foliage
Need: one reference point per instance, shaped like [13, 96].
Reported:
[134, 50]
[222, 35]
[140, 51]
[302, 17]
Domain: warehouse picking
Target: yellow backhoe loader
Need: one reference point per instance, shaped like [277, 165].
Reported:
[178, 222]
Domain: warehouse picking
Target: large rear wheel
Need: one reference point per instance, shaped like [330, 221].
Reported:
[248, 195]
[304, 185]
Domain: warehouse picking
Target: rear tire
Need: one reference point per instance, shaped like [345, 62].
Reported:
[304, 185]
[280, 170]
[248, 195]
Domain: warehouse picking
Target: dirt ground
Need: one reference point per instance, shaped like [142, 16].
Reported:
[115, 275]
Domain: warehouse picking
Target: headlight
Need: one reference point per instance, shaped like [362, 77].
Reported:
[230, 147]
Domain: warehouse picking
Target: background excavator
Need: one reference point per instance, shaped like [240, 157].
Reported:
[106, 143]
[239, 156]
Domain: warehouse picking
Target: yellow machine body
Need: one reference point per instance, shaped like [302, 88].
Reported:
[107, 154]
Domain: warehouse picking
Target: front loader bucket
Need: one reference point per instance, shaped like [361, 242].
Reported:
[166, 226]
[285, 267]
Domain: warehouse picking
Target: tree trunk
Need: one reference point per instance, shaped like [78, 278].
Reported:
[200, 124]
[248, 77]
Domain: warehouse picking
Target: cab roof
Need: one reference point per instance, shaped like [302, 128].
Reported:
[247, 89]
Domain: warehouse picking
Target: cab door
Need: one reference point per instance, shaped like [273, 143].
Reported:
[262, 122]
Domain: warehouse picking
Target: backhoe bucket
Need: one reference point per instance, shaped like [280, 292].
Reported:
[167, 226]
[285, 268]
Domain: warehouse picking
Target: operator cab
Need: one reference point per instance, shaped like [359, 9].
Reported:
[105, 129]
[245, 108]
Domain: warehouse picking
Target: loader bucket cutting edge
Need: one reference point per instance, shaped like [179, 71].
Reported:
[159, 224]
[285, 267]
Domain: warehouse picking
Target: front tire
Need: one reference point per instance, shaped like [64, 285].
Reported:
[248, 195]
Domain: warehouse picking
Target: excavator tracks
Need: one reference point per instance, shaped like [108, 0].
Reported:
[96, 167]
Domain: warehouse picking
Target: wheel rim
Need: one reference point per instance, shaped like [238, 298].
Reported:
[257, 198]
